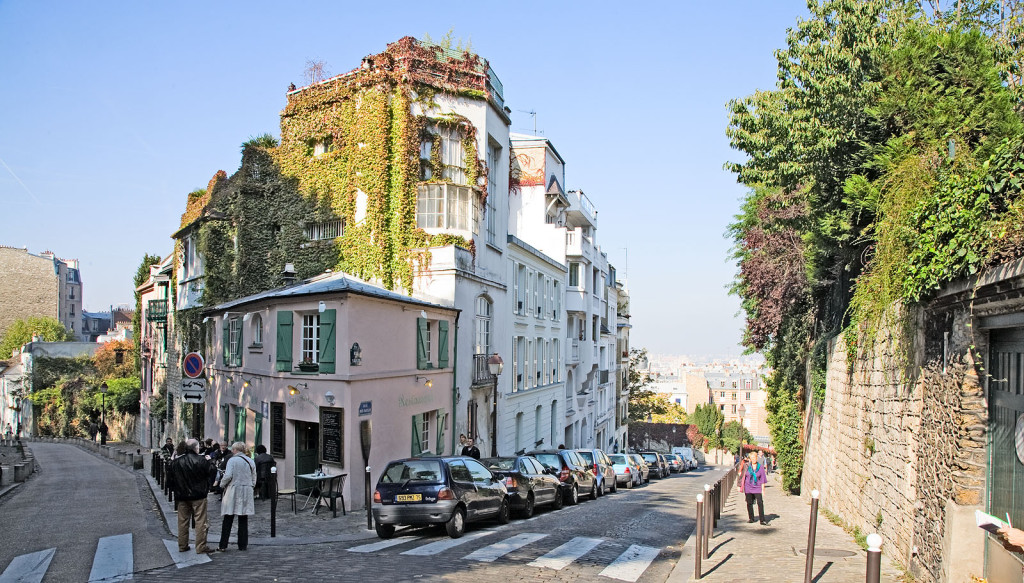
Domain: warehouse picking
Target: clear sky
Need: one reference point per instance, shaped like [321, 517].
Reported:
[111, 112]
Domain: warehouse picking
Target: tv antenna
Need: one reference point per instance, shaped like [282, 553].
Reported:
[534, 114]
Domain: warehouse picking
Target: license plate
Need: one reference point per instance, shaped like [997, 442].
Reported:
[408, 497]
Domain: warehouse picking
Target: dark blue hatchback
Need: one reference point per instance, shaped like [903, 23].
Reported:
[437, 490]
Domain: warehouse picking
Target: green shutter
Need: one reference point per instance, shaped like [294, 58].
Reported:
[442, 344]
[442, 420]
[240, 423]
[226, 338]
[284, 341]
[259, 430]
[327, 340]
[417, 423]
[227, 422]
[421, 343]
[236, 358]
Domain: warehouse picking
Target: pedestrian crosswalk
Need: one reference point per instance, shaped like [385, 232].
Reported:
[629, 565]
[112, 561]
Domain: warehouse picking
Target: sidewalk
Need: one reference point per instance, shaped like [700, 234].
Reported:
[744, 552]
[302, 527]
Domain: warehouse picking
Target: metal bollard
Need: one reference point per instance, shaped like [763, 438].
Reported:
[273, 501]
[369, 510]
[811, 532]
[874, 558]
[707, 519]
[716, 495]
[698, 551]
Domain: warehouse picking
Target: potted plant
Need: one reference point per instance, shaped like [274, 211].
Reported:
[307, 365]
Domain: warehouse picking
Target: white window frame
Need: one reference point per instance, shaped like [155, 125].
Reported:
[257, 329]
[323, 230]
[484, 320]
[443, 206]
[310, 338]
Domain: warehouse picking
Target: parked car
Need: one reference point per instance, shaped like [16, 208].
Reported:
[687, 454]
[656, 462]
[626, 471]
[641, 464]
[603, 470]
[675, 463]
[438, 490]
[574, 473]
[528, 482]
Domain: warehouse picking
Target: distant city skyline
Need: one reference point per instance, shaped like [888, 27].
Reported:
[112, 120]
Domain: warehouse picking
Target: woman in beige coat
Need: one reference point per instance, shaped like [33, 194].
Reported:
[237, 482]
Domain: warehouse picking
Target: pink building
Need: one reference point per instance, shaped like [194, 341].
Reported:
[299, 369]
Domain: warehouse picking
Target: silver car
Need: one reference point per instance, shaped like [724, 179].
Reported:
[645, 470]
[626, 471]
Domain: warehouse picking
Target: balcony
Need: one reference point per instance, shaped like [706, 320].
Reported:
[578, 245]
[156, 310]
[581, 210]
[481, 374]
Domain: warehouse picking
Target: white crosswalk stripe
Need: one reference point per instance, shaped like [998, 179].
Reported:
[445, 544]
[113, 560]
[28, 568]
[493, 552]
[372, 547]
[567, 553]
[187, 558]
[632, 563]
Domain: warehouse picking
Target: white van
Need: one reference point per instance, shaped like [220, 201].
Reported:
[687, 454]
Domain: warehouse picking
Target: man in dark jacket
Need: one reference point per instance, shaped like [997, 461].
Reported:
[471, 450]
[264, 461]
[190, 477]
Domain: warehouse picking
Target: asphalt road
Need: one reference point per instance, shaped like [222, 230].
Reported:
[74, 501]
[633, 535]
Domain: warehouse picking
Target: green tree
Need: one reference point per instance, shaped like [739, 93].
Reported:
[21, 332]
[674, 412]
[734, 435]
[644, 403]
[709, 419]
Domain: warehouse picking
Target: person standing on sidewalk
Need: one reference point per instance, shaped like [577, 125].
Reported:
[753, 476]
[190, 480]
[237, 482]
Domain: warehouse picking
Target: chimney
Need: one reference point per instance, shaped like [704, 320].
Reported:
[288, 275]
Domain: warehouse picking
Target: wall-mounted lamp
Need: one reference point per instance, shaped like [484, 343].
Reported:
[425, 380]
[322, 307]
[294, 390]
[355, 354]
[228, 380]
[329, 397]
[246, 382]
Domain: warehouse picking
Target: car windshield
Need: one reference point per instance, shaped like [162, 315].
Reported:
[650, 457]
[499, 463]
[618, 459]
[551, 460]
[412, 471]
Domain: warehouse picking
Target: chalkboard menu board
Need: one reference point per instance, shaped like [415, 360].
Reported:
[332, 430]
[277, 429]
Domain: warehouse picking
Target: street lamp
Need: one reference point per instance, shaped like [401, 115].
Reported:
[494, 365]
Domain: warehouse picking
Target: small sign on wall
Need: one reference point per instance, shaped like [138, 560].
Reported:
[365, 408]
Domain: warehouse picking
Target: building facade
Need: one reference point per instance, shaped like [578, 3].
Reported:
[39, 285]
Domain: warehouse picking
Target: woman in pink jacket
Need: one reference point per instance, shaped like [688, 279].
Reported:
[753, 475]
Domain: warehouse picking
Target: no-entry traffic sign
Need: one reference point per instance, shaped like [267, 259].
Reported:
[193, 365]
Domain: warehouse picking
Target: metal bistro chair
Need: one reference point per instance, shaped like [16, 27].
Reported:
[335, 491]
[285, 492]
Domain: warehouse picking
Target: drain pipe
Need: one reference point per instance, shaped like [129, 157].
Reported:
[455, 381]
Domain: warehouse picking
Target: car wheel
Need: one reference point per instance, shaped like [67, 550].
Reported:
[615, 486]
[385, 531]
[593, 491]
[574, 495]
[629, 484]
[504, 512]
[527, 510]
[456, 525]
[559, 499]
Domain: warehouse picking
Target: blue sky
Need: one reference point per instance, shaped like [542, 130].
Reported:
[113, 111]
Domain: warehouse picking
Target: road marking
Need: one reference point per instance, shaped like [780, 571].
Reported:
[567, 553]
[631, 564]
[378, 546]
[498, 550]
[113, 560]
[185, 559]
[445, 544]
[28, 568]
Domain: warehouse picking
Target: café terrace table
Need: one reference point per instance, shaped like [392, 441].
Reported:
[323, 485]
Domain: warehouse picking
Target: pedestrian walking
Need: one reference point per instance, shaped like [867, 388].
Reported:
[753, 476]
[179, 451]
[264, 461]
[471, 450]
[190, 479]
[103, 432]
[168, 447]
[93, 430]
[237, 482]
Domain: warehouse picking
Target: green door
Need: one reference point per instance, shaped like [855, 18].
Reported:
[307, 441]
[1006, 427]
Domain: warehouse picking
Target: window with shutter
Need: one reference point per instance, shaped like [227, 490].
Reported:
[226, 342]
[328, 318]
[284, 341]
[442, 420]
